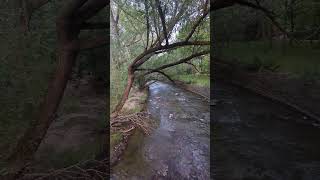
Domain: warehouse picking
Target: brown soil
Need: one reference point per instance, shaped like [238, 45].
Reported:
[131, 118]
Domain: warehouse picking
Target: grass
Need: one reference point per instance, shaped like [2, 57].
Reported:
[301, 60]
[136, 101]
[199, 80]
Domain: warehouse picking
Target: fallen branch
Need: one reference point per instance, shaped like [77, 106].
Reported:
[139, 120]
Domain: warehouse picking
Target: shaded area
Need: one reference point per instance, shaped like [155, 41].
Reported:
[259, 139]
[78, 132]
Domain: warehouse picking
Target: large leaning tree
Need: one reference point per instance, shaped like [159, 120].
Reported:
[164, 19]
[73, 18]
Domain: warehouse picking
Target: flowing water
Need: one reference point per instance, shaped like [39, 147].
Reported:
[253, 139]
[256, 139]
[179, 148]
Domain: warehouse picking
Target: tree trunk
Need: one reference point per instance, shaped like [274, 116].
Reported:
[69, 22]
[31, 140]
[126, 92]
[68, 46]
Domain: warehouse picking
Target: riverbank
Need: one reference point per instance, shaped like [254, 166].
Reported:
[291, 90]
[199, 84]
[131, 120]
[203, 91]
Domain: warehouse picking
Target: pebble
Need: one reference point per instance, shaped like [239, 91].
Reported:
[171, 116]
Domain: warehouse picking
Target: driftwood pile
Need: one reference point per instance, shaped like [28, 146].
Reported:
[127, 123]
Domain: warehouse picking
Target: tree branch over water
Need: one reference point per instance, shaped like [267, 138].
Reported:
[139, 61]
[163, 21]
[184, 60]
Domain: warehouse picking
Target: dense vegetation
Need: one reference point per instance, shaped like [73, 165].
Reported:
[288, 41]
[138, 26]
[36, 65]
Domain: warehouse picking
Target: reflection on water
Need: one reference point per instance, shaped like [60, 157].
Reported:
[258, 139]
[179, 147]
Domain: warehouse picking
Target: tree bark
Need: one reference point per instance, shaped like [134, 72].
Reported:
[126, 91]
[68, 29]
[31, 140]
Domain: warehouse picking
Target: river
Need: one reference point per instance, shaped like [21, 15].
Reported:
[253, 138]
[257, 139]
[179, 148]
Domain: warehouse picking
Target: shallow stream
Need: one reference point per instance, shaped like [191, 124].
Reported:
[179, 148]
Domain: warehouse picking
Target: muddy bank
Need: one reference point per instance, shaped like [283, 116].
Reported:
[297, 93]
[131, 120]
[200, 90]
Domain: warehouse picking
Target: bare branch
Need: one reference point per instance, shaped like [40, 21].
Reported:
[139, 61]
[163, 21]
[205, 13]
[178, 62]
[194, 66]
[267, 12]
[156, 71]
[164, 74]
[147, 21]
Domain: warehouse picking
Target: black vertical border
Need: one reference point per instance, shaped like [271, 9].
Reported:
[212, 131]
[107, 151]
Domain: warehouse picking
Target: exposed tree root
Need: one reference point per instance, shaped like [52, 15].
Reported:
[127, 123]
